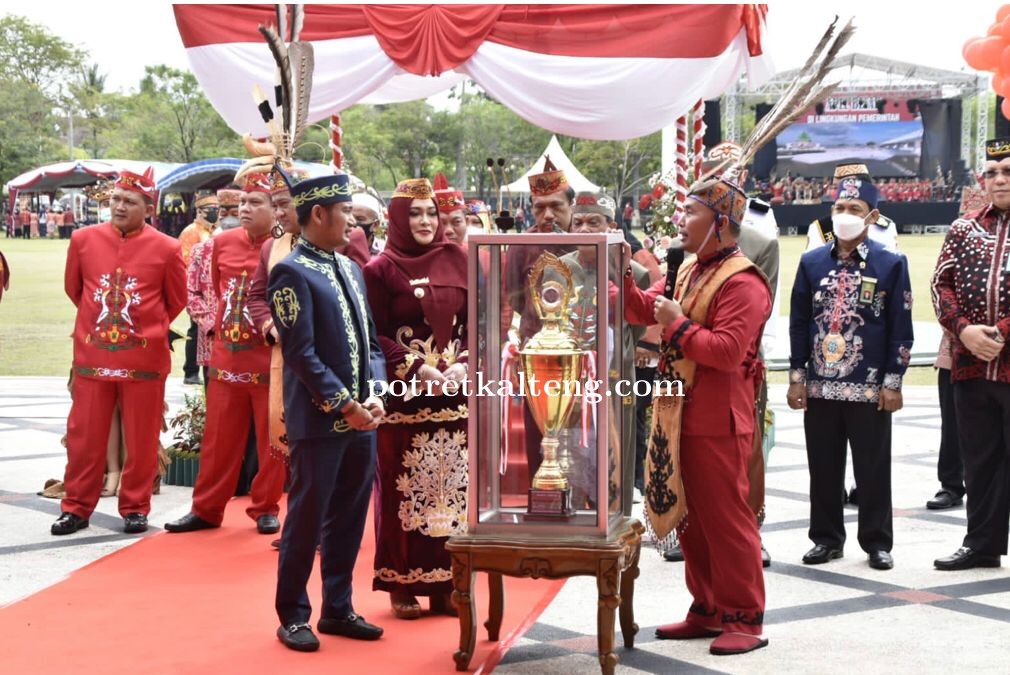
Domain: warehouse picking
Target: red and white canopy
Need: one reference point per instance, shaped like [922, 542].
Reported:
[606, 72]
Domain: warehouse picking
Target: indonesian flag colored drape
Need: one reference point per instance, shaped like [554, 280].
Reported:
[606, 72]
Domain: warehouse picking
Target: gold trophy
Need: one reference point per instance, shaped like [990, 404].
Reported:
[551, 356]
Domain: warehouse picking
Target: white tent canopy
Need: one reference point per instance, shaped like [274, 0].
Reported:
[558, 157]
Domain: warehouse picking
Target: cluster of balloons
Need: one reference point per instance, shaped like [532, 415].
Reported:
[992, 53]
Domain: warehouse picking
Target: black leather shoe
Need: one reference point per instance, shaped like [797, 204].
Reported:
[268, 524]
[189, 523]
[134, 523]
[191, 379]
[68, 523]
[766, 557]
[299, 637]
[965, 558]
[674, 554]
[881, 560]
[352, 626]
[944, 499]
[821, 554]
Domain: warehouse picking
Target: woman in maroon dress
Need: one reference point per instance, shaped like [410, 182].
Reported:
[417, 290]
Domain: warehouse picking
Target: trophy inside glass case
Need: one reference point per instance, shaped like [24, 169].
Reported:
[551, 377]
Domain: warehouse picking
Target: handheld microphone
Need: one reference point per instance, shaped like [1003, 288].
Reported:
[674, 259]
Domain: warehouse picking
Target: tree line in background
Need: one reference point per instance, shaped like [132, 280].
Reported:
[56, 102]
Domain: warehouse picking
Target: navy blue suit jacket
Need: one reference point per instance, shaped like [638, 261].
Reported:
[330, 346]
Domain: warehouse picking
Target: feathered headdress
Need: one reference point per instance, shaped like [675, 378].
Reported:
[292, 89]
[804, 93]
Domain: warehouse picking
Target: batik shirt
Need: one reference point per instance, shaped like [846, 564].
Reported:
[971, 285]
[850, 326]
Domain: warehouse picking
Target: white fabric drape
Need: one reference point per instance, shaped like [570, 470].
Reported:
[587, 97]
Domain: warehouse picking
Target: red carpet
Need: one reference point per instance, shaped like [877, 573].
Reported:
[203, 603]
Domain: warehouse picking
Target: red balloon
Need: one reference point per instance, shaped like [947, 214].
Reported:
[971, 55]
[659, 190]
[1001, 83]
[1002, 13]
[1004, 61]
[1005, 108]
[989, 51]
[995, 29]
[1004, 28]
[644, 202]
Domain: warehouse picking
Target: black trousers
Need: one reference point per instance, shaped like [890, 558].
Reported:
[642, 405]
[983, 419]
[331, 481]
[949, 467]
[190, 367]
[829, 425]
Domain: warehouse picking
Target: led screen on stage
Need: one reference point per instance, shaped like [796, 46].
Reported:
[882, 130]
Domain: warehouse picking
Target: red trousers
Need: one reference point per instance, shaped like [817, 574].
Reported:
[721, 545]
[230, 407]
[140, 403]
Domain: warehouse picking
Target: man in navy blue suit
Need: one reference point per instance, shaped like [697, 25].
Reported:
[331, 355]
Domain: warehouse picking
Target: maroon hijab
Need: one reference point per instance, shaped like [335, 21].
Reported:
[442, 262]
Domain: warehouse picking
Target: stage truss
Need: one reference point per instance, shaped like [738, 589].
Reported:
[862, 72]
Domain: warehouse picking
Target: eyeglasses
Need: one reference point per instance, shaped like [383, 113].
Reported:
[992, 173]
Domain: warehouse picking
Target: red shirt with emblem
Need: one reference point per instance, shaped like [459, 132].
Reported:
[240, 354]
[127, 289]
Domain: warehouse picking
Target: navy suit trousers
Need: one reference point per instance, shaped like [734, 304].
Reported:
[331, 482]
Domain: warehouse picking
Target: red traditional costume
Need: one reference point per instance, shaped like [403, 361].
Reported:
[418, 299]
[127, 288]
[237, 391]
[713, 350]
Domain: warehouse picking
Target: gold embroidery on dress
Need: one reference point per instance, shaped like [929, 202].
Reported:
[402, 369]
[415, 575]
[426, 349]
[425, 415]
[434, 486]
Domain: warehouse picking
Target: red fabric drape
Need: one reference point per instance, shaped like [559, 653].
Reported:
[430, 39]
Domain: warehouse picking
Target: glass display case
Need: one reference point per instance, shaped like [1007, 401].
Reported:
[551, 377]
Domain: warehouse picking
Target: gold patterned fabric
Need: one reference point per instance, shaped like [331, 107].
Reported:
[414, 188]
[551, 180]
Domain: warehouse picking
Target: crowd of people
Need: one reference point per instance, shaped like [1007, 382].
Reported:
[304, 294]
[800, 190]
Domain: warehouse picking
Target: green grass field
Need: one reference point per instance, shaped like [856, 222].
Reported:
[37, 318]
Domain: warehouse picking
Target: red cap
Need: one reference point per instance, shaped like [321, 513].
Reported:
[257, 182]
[142, 184]
[447, 198]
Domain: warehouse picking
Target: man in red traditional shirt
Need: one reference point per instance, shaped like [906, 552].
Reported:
[128, 282]
[239, 377]
[711, 335]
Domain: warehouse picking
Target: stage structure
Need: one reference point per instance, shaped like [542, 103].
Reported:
[898, 90]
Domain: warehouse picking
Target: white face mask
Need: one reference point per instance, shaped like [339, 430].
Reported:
[847, 226]
[104, 215]
[229, 222]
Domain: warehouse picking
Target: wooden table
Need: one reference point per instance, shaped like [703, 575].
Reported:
[613, 561]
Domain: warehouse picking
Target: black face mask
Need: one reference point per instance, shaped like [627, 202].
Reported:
[210, 215]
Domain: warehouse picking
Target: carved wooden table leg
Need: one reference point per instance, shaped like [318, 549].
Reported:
[463, 576]
[608, 578]
[496, 605]
[628, 626]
